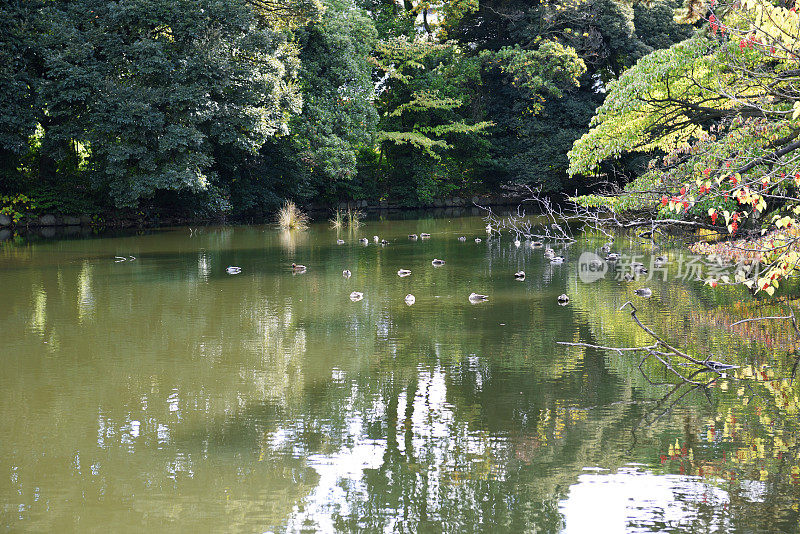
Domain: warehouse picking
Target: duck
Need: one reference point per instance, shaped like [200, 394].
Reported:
[557, 260]
[376, 238]
[346, 273]
[628, 277]
[536, 244]
[614, 256]
[340, 241]
[410, 299]
[474, 297]
[659, 261]
[298, 268]
[478, 240]
[384, 242]
[519, 275]
[605, 249]
[233, 270]
[403, 272]
[413, 237]
[644, 292]
[437, 262]
[462, 238]
[563, 299]
[355, 296]
[424, 235]
[364, 241]
[549, 253]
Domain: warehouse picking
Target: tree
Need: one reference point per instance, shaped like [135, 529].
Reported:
[723, 106]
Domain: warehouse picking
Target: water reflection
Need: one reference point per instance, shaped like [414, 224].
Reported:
[163, 394]
[634, 500]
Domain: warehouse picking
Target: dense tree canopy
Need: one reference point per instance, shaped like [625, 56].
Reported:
[231, 107]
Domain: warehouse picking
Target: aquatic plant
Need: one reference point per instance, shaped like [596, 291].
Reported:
[290, 217]
[349, 218]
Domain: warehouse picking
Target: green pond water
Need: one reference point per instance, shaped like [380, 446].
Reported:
[162, 394]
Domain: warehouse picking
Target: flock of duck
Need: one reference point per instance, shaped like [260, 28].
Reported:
[549, 253]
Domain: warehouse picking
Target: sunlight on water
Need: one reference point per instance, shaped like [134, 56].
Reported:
[147, 387]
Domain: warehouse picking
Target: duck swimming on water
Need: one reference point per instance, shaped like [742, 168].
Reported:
[437, 262]
[462, 238]
[355, 296]
[410, 299]
[346, 273]
[298, 268]
[519, 275]
[403, 272]
[475, 297]
[233, 270]
[563, 299]
[644, 292]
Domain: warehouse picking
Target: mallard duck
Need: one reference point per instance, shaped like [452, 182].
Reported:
[340, 241]
[355, 296]
[645, 292]
[424, 235]
[233, 270]
[628, 277]
[410, 299]
[364, 241]
[563, 298]
[474, 297]
[659, 261]
[557, 260]
[519, 275]
[384, 242]
[298, 268]
[614, 256]
[346, 273]
[462, 238]
[376, 238]
[549, 253]
[404, 272]
[437, 262]
[478, 239]
[413, 237]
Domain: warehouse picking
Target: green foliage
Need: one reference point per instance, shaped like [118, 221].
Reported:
[16, 206]
[336, 79]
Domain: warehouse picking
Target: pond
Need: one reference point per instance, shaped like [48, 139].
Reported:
[144, 388]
